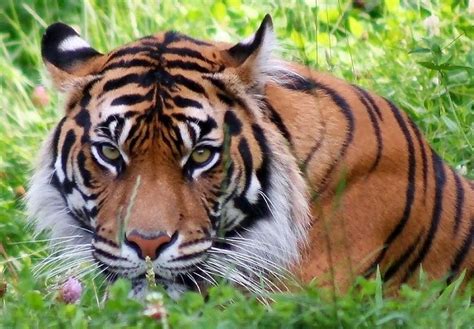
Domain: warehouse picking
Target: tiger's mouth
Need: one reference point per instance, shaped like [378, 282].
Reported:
[175, 282]
[178, 266]
[191, 280]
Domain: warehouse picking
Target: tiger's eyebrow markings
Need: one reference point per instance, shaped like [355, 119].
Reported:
[112, 128]
[205, 126]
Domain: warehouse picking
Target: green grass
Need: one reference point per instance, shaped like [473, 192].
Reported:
[386, 49]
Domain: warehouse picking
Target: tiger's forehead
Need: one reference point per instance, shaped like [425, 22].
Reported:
[159, 86]
[171, 50]
[162, 72]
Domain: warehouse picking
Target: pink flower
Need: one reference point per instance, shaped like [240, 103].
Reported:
[40, 96]
[155, 309]
[70, 291]
[3, 288]
[432, 24]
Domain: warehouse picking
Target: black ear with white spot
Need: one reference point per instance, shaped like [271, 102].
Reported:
[68, 56]
[252, 57]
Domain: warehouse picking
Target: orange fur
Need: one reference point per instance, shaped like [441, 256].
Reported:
[375, 198]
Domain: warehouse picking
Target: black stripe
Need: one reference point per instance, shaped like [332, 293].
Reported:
[108, 255]
[55, 140]
[205, 126]
[459, 202]
[120, 122]
[195, 241]
[347, 112]
[134, 135]
[143, 80]
[375, 126]
[185, 118]
[263, 173]
[298, 83]
[190, 84]
[254, 212]
[276, 119]
[410, 191]
[83, 119]
[217, 83]
[462, 253]
[99, 238]
[166, 139]
[144, 136]
[186, 66]
[440, 180]
[424, 156]
[133, 99]
[93, 212]
[225, 99]
[86, 94]
[395, 266]
[82, 222]
[186, 52]
[314, 148]
[187, 257]
[186, 102]
[68, 143]
[222, 87]
[103, 129]
[82, 167]
[131, 51]
[246, 156]
[233, 123]
[123, 63]
[371, 101]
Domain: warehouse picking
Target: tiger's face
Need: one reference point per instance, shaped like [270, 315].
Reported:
[162, 155]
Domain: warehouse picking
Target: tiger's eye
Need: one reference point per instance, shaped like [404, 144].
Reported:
[110, 152]
[201, 155]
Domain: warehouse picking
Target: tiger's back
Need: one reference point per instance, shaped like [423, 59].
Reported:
[381, 195]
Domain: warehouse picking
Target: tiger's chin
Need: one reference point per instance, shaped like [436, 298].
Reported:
[175, 284]
[174, 288]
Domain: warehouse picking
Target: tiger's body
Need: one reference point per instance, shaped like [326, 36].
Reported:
[214, 160]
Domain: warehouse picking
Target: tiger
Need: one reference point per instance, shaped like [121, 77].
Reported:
[209, 161]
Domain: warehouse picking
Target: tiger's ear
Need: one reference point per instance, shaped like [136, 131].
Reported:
[70, 60]
[252, 57]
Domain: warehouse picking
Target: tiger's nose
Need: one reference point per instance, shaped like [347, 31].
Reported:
[148, 245]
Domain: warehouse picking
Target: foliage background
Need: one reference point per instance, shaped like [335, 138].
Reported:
[387, 46]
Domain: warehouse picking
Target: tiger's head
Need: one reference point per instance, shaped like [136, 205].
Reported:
[164, 151]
